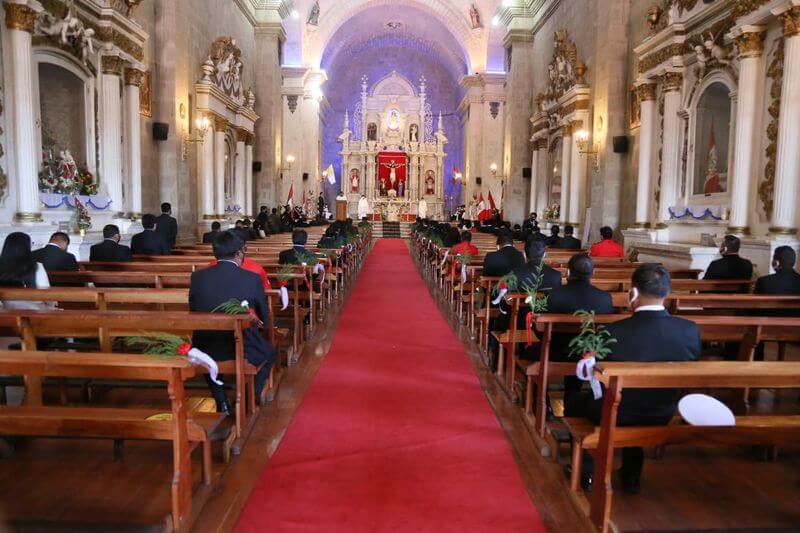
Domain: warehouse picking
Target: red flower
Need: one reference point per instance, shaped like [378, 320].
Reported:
[587, 355]
[283, 283]
[503, 286]
[184, 348]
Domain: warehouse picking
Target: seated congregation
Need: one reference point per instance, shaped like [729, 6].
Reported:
[603, 354]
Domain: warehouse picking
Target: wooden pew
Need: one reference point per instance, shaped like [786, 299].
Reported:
[749, 430]
[183, 429]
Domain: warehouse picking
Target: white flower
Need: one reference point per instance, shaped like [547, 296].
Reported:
[245, 304]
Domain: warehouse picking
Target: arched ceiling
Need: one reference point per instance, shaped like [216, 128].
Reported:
[443, 25]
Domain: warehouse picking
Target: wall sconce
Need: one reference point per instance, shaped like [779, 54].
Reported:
[493, 169]
[458, 176]
[202, 125]
[583, 146]
[289, 161]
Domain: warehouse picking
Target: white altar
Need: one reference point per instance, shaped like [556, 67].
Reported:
[392, 153]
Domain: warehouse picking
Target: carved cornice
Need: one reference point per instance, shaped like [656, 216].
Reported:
[112, 65]
[134, 76]
[220, 124]
[791, 21]
[751, 44]
[540, 144]
[659, 56]
[19, 17]
[575, 126]
[672, 81]
[577, 105]
[646, 91]
[745, 7]
[242, 135]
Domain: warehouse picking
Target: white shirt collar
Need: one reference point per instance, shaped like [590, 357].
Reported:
[53, 244]
[228, 261]
[650, 308]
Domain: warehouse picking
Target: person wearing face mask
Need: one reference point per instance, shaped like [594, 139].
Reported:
[651, 335]
[730, 265]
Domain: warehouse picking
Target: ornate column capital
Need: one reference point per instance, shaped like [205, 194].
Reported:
[250, 140]
[220, 124]
[134, 76]
[112, 65]
[575, 126]
[540, 144]
[751, 44]
[20, 17]
[242, 136]
[791, 21]
[672, 81]
[646, 91]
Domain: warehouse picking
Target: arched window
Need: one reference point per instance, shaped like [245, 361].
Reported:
[711, 140]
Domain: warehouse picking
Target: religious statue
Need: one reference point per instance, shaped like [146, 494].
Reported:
[354, 175]
[383, 187]
[400, 187]
[69, 31]
[474, 17]
[313, 16]
[393, 120]
[413, 133]
[393, 166]
[372, 132]
[226, 58]
[430, 182]
[422, 209]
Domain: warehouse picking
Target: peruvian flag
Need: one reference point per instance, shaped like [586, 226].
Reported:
[483, 213]
[491, 202]
[290, 198]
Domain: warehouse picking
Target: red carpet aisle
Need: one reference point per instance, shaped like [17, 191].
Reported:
[395, 433]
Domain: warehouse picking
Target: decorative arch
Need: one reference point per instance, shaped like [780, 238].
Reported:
[394, 84]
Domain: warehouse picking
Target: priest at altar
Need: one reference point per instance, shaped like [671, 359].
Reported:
[363, 207]
[422, 209]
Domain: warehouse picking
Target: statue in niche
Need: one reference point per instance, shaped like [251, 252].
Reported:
[430, 182]
[475, 17]
[226, 58]
[372, 132]
[313, 16]
[383, 186]
[69, 31]
[393, 166]
[413, 133]
[354, 178]
[393, 120]
[400, 188]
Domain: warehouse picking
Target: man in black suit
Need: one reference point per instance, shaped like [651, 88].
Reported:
[209, 236]
[730, 266]
[149, 242]
[274, 221]
[216, 285]
[530, 222]
[568, 241]
[785, 280]
[650, 335]
[167, 226]
[110, 250]
[553, 239]
[263, 216]
[505, 259]
[289, 257]
[536, 234]
[551, 278]
[54, 256]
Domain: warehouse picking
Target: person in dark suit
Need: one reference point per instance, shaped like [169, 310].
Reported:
[216, 285]
[209, 236]
[730, 265]
[568, 241]
[110, 250]
[551, 278]
[553, 239]
[505, 259]
[650, 335]
[530, 222]
[274, 221]
[263, 216]
[148, 242]
[299, 240]
[167, 226]
[785, 280]
[536, 234]
[54, 256]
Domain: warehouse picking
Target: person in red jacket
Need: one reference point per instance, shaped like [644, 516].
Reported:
[607, 247]
[465, 246]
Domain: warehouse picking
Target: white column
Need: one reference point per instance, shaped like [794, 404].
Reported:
[534, 178]
[542, 192]
[784, 212]
[647, 97]
[239, 172]
[133, 142]
[220, 125]
[111, 130]
[248, 176]
[671, 151]
[577, 178]
[566, 165]
[751, 70]
[19, 21]
[206, 174]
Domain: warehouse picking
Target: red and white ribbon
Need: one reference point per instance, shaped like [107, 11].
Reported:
[444, 259]
[284, 294]
[320, 268]
[501, 293]
[463, 273]
[200, 358]
[585, 372]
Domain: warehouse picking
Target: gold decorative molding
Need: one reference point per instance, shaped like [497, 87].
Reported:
[575, 126]
[738, 230]
[126, 45]
[242, 135]
[791, 21]
[635, 108]
[750, 44]
[134, 76]
[766, 189]
[19, 17]
[112, 65]
[28, 217]
[540, 144]
[672, 81]
[646, 92]
[250, 140]
[659, 56]
[146, 95]
[564, 70]
[783, 231]
[220, 124]
[577, 105]
[745, 7]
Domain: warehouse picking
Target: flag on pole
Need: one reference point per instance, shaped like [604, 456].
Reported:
[290, 198]
[491, 201]
[331, 174]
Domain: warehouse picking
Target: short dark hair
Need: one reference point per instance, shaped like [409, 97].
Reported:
[166, 207]
[731, 243]
[653, 280]
[535, 229]
[554, 229]
[568, 230]
[466, 236]
[785, 256]
[606, 232]
[581, 267]
[148, 221]
[535, 249]
[109, 230]
[263, 208]
[274, 209]
[504, 239]
[59, 236]
[299, 237]
[227, 244]
[215, 226]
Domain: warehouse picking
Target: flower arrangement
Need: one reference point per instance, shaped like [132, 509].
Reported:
[552, 212]
[593, 343]
[60, 174]
[83, 220]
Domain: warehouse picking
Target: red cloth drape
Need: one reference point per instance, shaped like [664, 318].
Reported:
[401, 173]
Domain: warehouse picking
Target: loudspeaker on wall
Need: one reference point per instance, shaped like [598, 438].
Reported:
[256, 166]
[526, 173]
[620, 144]
[160, 131]
[478, 180]
[305, 176]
